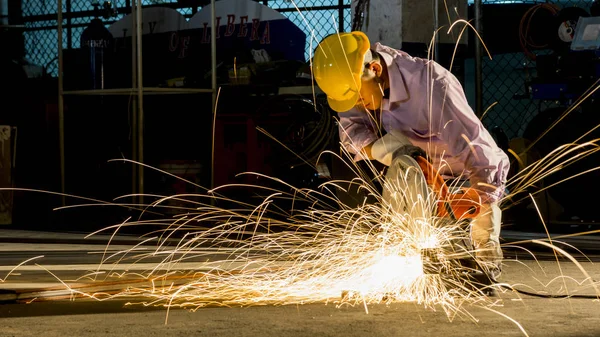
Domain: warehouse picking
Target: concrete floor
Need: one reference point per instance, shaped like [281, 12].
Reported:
[535, 317]
[510, 313]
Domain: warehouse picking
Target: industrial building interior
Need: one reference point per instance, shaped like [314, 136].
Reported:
[142, 92]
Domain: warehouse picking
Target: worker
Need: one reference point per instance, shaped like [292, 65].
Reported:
[376, 88]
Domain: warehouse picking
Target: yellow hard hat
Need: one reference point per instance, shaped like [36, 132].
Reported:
[338, 65]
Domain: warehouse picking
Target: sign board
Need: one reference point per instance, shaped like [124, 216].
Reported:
[173, 48]
[249, 24]
[155, 20]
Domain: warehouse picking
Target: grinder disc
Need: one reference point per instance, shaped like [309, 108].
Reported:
[565, 25]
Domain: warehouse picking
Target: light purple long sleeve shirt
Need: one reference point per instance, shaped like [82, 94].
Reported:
[427, 104]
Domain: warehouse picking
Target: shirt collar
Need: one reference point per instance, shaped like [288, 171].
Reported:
[399, 91]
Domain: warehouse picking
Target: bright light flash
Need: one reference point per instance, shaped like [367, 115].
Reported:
[394, 271]
[427, 242]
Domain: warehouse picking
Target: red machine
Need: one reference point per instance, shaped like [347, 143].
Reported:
[462, 203]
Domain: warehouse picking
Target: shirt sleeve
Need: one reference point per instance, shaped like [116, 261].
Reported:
[356, 130]
[468, 140]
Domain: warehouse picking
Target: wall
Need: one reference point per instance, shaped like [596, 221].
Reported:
[393, 22]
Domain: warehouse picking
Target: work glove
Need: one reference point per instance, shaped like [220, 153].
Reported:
[485, 235]
[411, 151]
[394, 144]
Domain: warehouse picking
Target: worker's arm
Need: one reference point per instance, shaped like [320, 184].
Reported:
[468, 139]
[357, 133]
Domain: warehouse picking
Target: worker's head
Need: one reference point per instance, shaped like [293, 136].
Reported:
[348, 71]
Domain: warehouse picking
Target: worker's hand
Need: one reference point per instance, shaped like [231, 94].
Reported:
[383, 149]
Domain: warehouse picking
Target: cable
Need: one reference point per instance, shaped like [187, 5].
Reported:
[319, 136]
[524, 38]
[494, 282]
[545, 295]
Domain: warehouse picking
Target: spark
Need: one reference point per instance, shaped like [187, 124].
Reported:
[376, 253]
[358, 256]
[348, 256]
[18, 266]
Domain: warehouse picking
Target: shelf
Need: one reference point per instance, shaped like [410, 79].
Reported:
[133, 91]
[137, 90]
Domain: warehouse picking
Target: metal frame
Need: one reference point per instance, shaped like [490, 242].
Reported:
[436, 26]
[69, 15]
[478, 59]
[137, 88]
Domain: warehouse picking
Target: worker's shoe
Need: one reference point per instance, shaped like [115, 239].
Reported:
[489, 265]
[482, 284]
[485, 236]
[489, 257]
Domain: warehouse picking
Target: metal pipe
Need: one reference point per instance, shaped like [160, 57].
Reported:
[4, 12]
[134, 111]
[478, 61]
[341, 15]
[61, 108]
[131, 91]
[436, 26]
[140, 97]
[69, 27]
[213, 59]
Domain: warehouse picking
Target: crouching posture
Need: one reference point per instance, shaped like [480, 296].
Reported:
[379, 90]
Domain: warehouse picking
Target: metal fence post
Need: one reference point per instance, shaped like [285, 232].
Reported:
[478, 61]
[436, 25]
[140, 99]
[61, 110]
[213, 67]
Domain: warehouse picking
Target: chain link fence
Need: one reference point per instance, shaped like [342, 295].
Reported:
[506, 95]
[317, 18]
[507, 99]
